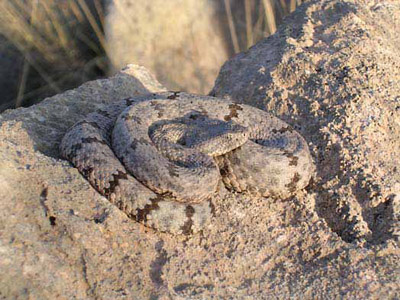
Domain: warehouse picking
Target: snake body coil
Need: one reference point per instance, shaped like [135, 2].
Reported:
[160, 157]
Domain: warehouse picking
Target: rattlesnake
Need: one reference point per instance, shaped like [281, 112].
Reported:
[160, 157]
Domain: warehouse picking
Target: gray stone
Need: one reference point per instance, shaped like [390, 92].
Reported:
[333, 72]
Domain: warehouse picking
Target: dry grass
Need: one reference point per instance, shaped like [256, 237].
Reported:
[260, 19]
[50, 35]
[63, 43]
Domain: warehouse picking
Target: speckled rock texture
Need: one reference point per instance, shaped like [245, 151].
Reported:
[333, 72]
[335, 240]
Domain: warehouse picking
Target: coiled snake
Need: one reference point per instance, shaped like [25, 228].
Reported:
[160, 157]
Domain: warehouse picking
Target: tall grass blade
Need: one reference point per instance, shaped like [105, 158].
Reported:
[292, 5]
[93, 23]
[249, 23]
[231, 24]
[269, 16]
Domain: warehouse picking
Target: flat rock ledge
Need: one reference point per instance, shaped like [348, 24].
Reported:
[332, 72]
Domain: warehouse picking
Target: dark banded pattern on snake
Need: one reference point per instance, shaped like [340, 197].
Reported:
[159, 157]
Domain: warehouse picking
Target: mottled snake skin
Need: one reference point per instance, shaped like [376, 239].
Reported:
[160, 157]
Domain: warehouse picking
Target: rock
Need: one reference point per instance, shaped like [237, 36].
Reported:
[42, 256]
[60, 238]
[179, 41]
[332, 71]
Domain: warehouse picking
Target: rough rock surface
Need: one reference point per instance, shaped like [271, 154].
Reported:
[333, 72]
[60, 238]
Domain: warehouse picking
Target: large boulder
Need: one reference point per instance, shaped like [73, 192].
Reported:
[332, 71]
[60, 238]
